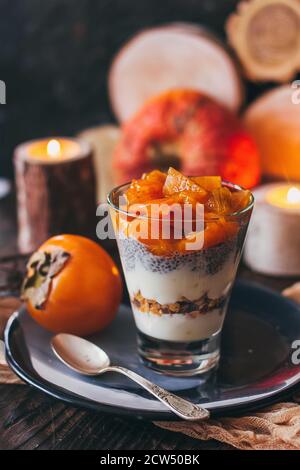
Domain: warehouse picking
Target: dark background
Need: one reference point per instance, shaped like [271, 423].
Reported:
[55, 54]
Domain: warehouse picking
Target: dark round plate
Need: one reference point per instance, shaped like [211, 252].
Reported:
[256, 365]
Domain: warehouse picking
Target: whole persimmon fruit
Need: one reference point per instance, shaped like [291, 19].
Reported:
[72, 286]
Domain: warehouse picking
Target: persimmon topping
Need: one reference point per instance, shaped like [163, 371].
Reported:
[203, 201]
[177, 182]
[149, 187]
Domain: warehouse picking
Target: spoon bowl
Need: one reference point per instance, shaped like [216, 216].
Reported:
[79, 354]
[88, 359]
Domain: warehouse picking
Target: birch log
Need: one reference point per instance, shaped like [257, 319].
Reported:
[54, 198]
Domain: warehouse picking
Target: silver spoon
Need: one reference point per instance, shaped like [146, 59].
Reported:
[88, 359]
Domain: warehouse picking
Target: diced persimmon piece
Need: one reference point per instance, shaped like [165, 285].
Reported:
[149, 187]
[155, 176]
[218, 232]
[240, 200]
[156, 220]
[214, 234]
[219, 201]
[144, 191]
[209, 183]
[188, 197]
[210, 215]
[177, 182]
[156, 208]
[231, 228]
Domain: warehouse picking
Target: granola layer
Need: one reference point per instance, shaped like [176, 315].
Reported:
[203, 305]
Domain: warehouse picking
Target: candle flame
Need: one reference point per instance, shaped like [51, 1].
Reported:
[293, 195]
[53, 148]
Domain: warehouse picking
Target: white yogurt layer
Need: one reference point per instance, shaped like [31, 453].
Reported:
[179, 327]
[166, 288]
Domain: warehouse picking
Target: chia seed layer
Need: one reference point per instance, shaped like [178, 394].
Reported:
[208, 261]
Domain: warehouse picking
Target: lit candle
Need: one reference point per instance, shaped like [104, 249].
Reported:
[52, 151]
[285, 196]
[56, 190]
[273, 241]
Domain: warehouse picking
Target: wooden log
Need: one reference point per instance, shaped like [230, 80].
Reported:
[103, 140]
[54, 197]
[273, 119]
[273, 240]
[265, 35]
[176, 55]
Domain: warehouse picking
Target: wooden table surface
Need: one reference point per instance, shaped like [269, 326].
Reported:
[29, 419]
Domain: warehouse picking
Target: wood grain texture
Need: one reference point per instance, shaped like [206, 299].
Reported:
[31, 420]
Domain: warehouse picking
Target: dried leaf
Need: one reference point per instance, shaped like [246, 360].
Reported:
[293, 292]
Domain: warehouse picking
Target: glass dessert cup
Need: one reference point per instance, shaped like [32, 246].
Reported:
[179, 298]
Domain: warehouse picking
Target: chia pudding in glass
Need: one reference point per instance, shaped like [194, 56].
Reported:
[180, 264]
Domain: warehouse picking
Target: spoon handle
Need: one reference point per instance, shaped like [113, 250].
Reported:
[182, 408]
